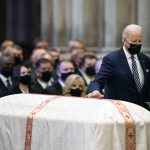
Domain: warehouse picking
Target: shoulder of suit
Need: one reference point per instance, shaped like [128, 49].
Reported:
[144, 56]
[114, 54]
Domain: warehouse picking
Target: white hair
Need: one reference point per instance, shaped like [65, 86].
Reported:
[130, 27]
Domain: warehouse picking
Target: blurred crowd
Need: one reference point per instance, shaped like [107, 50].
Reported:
[45, 71]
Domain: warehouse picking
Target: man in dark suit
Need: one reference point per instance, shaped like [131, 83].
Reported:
[64, 69]
[43, 72]
[87, 68]
[6, 70]
[118, 75]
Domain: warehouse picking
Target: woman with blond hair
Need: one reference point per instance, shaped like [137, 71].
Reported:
[74, 86]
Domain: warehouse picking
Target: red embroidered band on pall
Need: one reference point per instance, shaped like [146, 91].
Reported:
[30, 117]
[130, 127]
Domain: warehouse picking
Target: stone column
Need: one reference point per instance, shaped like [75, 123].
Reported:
[58, 20]
[100, 18]
[90, 22]
[144, 20]
[110, 23]
[68, 21]
[46, 20]
[124, 17]
[77, 19]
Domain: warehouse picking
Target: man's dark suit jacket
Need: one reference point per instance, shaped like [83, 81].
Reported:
[116, 78]
[55, 89]
[4, 91]
[36, 87]
[16, 90]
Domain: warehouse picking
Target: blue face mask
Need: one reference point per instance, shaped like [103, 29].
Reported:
[134, 48]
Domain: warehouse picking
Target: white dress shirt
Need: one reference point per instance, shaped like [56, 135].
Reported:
[139, 68]
[43, 84]
[62, 83]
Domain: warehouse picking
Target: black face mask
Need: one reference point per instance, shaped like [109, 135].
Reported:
[90, 71]
[26, 79]
[17, 60]
[65, 75]
[46, 75]
[75, 92]
[7, 71]
[134, 48]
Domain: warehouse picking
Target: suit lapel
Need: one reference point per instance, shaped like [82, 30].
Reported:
[2, 85]
[142, 62]
[125, 64]
[126, 67]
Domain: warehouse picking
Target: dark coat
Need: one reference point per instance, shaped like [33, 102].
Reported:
[4, 91]
[55, 89]
[116, 78]
[36, 87]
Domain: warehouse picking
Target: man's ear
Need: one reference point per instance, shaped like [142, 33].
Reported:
[125, 43]
[123, 40]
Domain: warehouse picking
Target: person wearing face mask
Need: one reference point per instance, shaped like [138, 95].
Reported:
[64, 69]
[6, 70]
[74, 86]
[55, 55]
[17, 53]
[43, 72]
[125, 74]
[21, 80]
[87, 67]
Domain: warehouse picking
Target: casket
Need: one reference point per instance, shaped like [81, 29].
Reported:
[49, 122]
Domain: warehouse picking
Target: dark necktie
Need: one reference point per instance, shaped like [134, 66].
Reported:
[8, 84]
[135, 73]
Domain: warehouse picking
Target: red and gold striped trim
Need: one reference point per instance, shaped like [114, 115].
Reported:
[130, 139]
[130, 126]
[30, 117]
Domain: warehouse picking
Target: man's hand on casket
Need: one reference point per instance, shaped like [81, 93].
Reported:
[95, 94]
